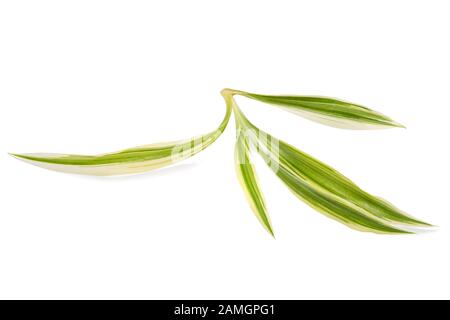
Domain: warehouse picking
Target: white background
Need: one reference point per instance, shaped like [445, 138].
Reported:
[97, 76]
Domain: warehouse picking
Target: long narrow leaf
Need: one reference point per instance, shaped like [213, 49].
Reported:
[128, 161]
[328, 111]
[333, 206]
[249, 182]
[246, 172]
[333, 181]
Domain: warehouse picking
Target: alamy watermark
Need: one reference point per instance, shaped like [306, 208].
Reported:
[256, 141]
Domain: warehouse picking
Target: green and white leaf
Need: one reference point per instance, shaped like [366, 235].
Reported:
[246, 172]
[333, 206]
[334, 182]
[249, 182]
[328, 111]
[128, 161]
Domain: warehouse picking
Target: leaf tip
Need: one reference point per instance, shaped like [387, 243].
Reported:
[398, 125]
[424, 224]
[16, 155]
[270, 230]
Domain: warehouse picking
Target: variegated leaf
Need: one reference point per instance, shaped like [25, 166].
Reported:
[328, 111]
[128, 161]
[249, 182]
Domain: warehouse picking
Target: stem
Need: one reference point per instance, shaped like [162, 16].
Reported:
[231, 92]
[241, 120]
